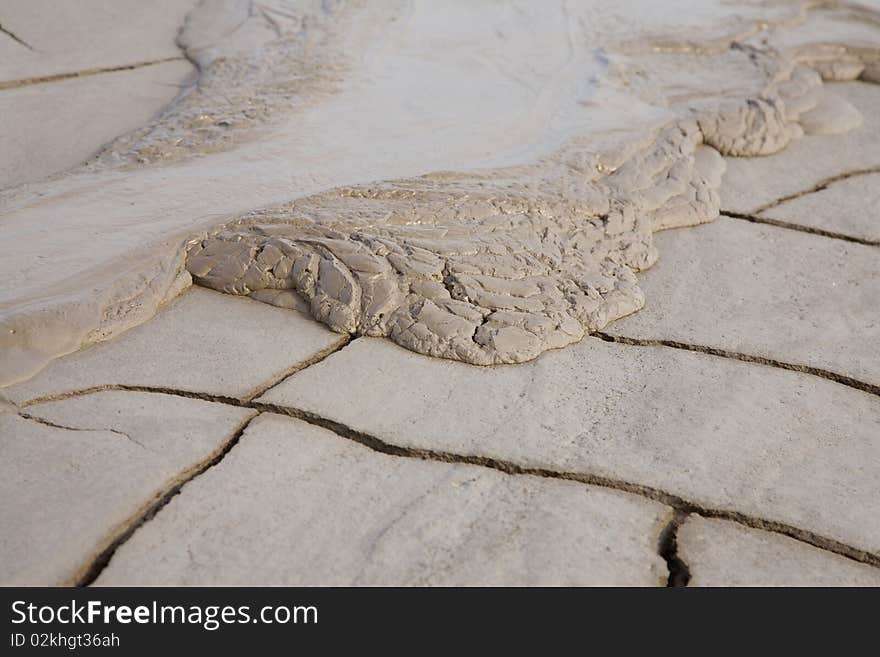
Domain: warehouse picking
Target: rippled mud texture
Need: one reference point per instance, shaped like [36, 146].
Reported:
[487, 267]
[256, 61]
[500, 266]
[491, 268]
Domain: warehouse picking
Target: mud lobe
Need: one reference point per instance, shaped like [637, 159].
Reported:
[499, 266]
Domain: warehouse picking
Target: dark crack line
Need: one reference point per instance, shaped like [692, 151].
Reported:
[12, 84]
[94, 569]
[337, 346]
[276, 27]
[189, 394]
[848, 381]
[16, 38]
[823, 184]
[54, 425]
[376, 444]
[669, 499]
[667, 547]
[799, 227]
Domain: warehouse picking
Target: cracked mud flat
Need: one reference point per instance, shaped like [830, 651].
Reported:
[219, 561]
[552, 176]
[499, 266]
[494, 240]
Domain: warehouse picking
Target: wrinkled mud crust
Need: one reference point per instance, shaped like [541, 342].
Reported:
[491, 268]
[485, 267]
[499, 266]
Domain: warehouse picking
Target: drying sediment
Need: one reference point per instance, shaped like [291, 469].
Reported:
[499, 266]
[255, 62]
[486, 267]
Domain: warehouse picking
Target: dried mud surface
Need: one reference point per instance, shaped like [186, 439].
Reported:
[484, 265]
[500, 265]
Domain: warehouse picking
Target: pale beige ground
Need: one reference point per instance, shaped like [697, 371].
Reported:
[308, 96]
[75, 75]
[363, 490]
[726, 554]
[62, 123]
[68, 37]
[223, 346]
[87, 466]
[729, 432]
[377, 519]
[850, 206]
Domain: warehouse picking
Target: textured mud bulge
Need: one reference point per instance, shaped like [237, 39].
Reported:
[500, 266]
[488, 268]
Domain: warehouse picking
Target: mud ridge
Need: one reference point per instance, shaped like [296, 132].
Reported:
[498, 266]
[488, 265]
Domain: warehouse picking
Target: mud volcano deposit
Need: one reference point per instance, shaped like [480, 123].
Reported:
[482, 203]
[311, 292]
